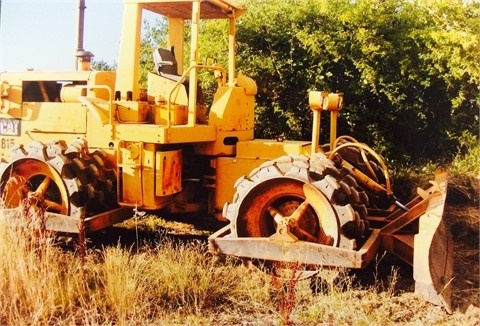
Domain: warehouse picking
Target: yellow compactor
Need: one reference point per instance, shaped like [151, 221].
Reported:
[87, 147]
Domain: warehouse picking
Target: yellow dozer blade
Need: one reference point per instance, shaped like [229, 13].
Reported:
[433, 254]
[428, 247]
[421, 237]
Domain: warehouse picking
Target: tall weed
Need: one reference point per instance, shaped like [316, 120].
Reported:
[36, 282]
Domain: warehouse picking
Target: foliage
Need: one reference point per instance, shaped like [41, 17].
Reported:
[102, 65]
[467, 159]
[465, 171]
[154, 36]
[407, 69]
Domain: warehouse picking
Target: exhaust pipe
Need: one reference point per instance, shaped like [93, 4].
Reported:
[80, 27]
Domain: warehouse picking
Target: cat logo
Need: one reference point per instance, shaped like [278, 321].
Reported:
[9, 127]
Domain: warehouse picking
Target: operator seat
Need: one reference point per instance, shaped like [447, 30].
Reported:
[166, 66]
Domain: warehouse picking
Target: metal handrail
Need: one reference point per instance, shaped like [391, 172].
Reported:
[110, 101]
[183, 77]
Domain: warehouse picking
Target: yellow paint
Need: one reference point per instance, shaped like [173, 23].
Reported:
[250, 155]
[139, 127]
[71, 118]
[129, 55]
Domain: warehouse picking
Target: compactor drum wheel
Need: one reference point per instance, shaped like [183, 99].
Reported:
[363, 158]
[277, 200]
[96, 171]
[54, 178]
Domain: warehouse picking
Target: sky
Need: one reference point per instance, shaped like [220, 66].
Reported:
[42, 34]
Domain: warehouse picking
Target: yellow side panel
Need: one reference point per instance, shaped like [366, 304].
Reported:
[188, 134]
[103, 78]
[232, 109]
[178, 115]
[129, 111]
[100, 83]
[229, 169]
[54, 117]
[162, 135]
[129, 162]
[269, 149]
[159, 86]
[224, 144]
[149, 177]
[250, 155]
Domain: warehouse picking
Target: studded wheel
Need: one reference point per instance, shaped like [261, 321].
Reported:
[53, 177]
[43, 176]
[275, 201]
[96, 170]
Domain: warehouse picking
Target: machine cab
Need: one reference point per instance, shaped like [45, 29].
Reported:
[171, 82]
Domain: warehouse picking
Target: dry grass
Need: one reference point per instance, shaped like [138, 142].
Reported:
[42, 284]
[179, 283]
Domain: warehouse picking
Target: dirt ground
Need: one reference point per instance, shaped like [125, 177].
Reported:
[465, 228]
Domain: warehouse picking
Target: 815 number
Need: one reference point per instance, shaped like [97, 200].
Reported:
[7, 143]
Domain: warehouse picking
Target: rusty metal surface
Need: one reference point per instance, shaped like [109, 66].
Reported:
[302, 252]
[68, 224]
